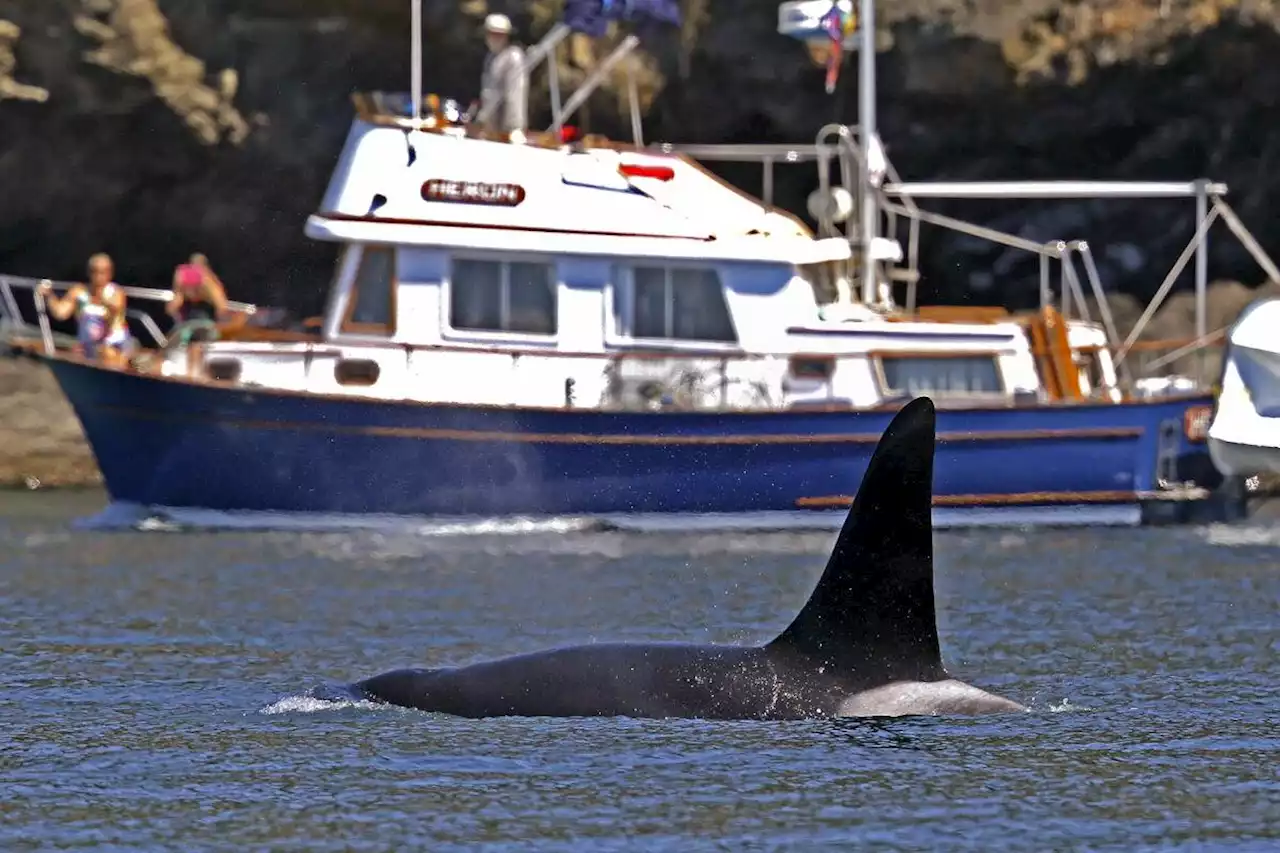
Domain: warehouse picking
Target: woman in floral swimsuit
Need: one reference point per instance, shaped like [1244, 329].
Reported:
[99, 309]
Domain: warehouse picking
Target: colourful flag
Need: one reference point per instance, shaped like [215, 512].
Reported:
[839, 27]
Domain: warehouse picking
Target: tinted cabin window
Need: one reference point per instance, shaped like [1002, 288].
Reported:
[372, 305]
[651, 311]
[675, 303]
[531, 298]
[934, 375]
[503, 296]
[475, 295]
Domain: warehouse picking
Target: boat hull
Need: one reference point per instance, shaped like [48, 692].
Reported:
[1244, 436]
[1238, 459]
[174, 443]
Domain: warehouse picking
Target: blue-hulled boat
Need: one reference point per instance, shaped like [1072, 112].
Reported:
[545, 324]
[173, 442]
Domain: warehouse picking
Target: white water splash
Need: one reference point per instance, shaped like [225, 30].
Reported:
[1065, 707]
[316, 705]
[129, 516]
[123, 515]
[1235, 537]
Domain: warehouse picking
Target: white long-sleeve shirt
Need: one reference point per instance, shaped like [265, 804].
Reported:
[504, 91]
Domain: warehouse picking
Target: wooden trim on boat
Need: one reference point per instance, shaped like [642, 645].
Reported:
[1011, 499]
[437, 434]
[260, 335]
[961, 314]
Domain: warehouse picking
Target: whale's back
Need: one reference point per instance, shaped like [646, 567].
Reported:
[611, 679]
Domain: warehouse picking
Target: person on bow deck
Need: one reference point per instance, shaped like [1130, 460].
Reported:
[99, 309]
[199, 301]
[504, 84]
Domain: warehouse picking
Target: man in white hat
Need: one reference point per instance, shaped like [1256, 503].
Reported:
[504, 85]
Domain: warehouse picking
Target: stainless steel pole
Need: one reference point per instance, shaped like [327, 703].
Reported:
[867, 132]
[1202, 276]
[415, 62]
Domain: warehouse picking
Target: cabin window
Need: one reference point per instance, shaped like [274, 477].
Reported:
[371, 305]
[813, 367]
[673, 303]
[1089, 368]
[503, 296]
[940, 375]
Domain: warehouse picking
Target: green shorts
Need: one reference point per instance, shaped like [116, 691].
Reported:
[197, 331]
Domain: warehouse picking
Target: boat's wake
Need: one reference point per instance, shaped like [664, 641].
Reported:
[126, 516]
[129, 516]
[1238, 536]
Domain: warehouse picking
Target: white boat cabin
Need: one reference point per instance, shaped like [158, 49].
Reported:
[598, 276]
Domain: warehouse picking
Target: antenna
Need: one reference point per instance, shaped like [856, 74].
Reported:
[415, 62]
[867, 133]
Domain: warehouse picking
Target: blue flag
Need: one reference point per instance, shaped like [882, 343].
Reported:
[592, 17]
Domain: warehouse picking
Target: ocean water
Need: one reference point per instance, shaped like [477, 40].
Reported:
[153, 693]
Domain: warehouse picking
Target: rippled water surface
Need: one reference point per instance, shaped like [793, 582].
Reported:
[152, 683]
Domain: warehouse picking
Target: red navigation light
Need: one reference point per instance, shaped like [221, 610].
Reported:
[637, 170]
[568, 134]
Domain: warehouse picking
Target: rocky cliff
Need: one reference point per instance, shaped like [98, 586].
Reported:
[151, 128]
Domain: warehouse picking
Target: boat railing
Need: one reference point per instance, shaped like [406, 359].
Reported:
[848, 151]
[410, 115]
[22, 314]
[1211, 205]
[1078, 290]
[1151, 360]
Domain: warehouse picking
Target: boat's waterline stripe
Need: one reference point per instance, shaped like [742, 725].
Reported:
[1082, 433]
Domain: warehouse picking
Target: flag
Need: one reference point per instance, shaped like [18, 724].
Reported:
[592, 17]
[838, 27]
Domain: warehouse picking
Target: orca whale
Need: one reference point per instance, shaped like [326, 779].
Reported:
[865, 644]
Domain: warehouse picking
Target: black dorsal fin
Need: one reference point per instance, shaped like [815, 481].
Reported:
[872, 614]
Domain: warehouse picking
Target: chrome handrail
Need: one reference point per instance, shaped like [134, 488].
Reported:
[14, 324]
[149, 324]
[132, 291]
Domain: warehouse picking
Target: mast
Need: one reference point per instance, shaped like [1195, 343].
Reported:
[415, 62]
[867, 132]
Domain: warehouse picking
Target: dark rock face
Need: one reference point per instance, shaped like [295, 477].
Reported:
[141, 153]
